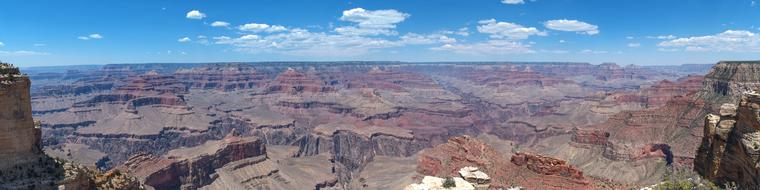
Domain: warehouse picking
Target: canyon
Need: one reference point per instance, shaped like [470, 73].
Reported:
[376, 125]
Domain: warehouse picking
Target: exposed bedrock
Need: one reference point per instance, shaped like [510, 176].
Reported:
[525, 170]
[352, 151]
[194, 167]
[119, 147]
[730, 150]
[729, 79]
[19, 138]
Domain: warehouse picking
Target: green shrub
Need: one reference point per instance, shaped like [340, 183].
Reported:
[449, 183]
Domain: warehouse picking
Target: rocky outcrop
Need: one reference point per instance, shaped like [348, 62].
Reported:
[730, 149]
[538, 172]
[546, 165]
[729, 79]
[193, 167]
[19, 138]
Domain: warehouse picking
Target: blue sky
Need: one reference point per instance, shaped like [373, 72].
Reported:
[644, 32]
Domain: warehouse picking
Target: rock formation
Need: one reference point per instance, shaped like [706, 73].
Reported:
[19, 138]
[526, 170]
[730, 150]
[22, 163]
[193, 167]
[341, 118]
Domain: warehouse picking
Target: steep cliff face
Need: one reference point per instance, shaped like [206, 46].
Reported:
[18, 137]
[729, 79]
[352, 151]
[730, 150]
[193, 167]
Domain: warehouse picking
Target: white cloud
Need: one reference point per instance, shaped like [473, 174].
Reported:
[572, 26]
[728, 41]
[662, 37]
[95, 36]
[507, 30]
[630, 37]
[588, 51]
[494, 46]
[414, 39]
[39, 45]
[2, 44]
[91, 37]
[258, 27]
[195, 14]
[22, 53]
[220, 24]
[303, 42]
[634, 45]
[512, 2]
[561, 41]
[368, 22]
[185, 39]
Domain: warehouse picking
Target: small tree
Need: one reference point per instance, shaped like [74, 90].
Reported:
[449, 183]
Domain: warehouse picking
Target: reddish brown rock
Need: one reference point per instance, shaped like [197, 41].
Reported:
[539, 173]
[225, 77]
[292, 81]
[193, 167]
[547, 165]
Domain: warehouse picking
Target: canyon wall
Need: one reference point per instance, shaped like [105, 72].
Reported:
[18, 136]
[730, 150]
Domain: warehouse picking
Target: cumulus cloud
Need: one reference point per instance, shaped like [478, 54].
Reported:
[727, 41]
[358, 38]
[634, 45]
[512, 2]
[507, 30]
[572, 26]
[220, 24]
[258, 27]
[494, 46]
[195, 14]
[185, 39]
[91, 37]
[303, 42]
[369, 22]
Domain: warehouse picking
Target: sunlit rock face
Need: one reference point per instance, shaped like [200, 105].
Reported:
[728, 80]
[18, 136]
[730, 150]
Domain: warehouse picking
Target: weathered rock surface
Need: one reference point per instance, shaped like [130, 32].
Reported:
[193, 167]
[537, 173]
[19, 138]
[730, 150]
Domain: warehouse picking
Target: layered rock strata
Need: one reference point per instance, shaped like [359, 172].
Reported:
[193, 167]
[730, 150]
